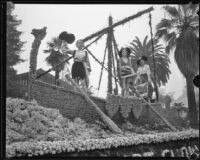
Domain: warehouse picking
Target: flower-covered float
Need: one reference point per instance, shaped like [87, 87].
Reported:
[36, 131]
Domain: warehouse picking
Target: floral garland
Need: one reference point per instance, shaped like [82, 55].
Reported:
[125, 104]
[46, 147]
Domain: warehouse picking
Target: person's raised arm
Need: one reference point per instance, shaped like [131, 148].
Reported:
[68, 51]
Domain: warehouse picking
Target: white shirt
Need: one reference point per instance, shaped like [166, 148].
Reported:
[80, 56]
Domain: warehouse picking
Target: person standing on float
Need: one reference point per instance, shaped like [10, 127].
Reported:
[81, 67]
[66, 38]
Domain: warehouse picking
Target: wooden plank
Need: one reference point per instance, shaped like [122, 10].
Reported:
[105, 30]
[156, 112]
[111, 125]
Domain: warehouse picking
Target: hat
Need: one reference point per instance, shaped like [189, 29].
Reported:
[128, 50]
[144, 58]
[68, 37]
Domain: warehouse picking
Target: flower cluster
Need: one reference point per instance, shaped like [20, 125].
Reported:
[45, 147]
[27, 121]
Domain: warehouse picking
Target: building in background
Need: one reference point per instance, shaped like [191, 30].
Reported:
[23, 81]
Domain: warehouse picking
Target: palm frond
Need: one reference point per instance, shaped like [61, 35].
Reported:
[160, 33]
[184, 9]
[145, 41]
[161, 59]
[169, 48]
[135, 47]
[172, 11]
[194, 8]
[170, 37]
[138, 42]
[164, 23]
[193, 20]
[50, 44]
[191, 9]
[47, 51]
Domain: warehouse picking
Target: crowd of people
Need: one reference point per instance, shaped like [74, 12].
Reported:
[139, 81]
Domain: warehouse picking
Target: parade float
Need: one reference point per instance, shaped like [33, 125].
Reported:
[65, 121]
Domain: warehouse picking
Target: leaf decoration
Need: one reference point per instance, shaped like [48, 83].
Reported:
[125, 104]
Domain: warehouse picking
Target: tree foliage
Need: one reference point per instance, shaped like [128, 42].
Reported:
[180, 30]
[55, 57]
[166, 99]
[13, 50]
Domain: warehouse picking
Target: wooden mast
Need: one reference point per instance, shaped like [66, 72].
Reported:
[123, 21]
[154, 64]
[109, 44]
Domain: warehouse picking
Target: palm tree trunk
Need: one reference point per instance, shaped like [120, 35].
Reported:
[39, 35]
[56, 76]
[111, 125]
[192, 115]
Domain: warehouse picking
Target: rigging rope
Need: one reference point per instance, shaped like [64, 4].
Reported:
[104, 57]
[116, 55]
[154, 65]
[99, 62]
[113, 62]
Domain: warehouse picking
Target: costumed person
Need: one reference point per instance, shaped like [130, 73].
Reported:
[66, 38]
[125, 67]
[81, 67]
[143, 81]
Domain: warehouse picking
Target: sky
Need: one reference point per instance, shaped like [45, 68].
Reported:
[83, 20]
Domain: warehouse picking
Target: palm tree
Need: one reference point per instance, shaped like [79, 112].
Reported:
[180, 30]
[161, 60]
[178, 105]
[55, 56]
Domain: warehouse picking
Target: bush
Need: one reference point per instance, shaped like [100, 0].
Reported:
[27, 121]
[33, 130]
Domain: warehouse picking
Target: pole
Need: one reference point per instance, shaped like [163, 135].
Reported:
[109, 44]
[104, 57]
[154, 64]
[111, 125]
[155, 111]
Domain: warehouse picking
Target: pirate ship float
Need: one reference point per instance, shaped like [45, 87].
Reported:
[73, 102]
